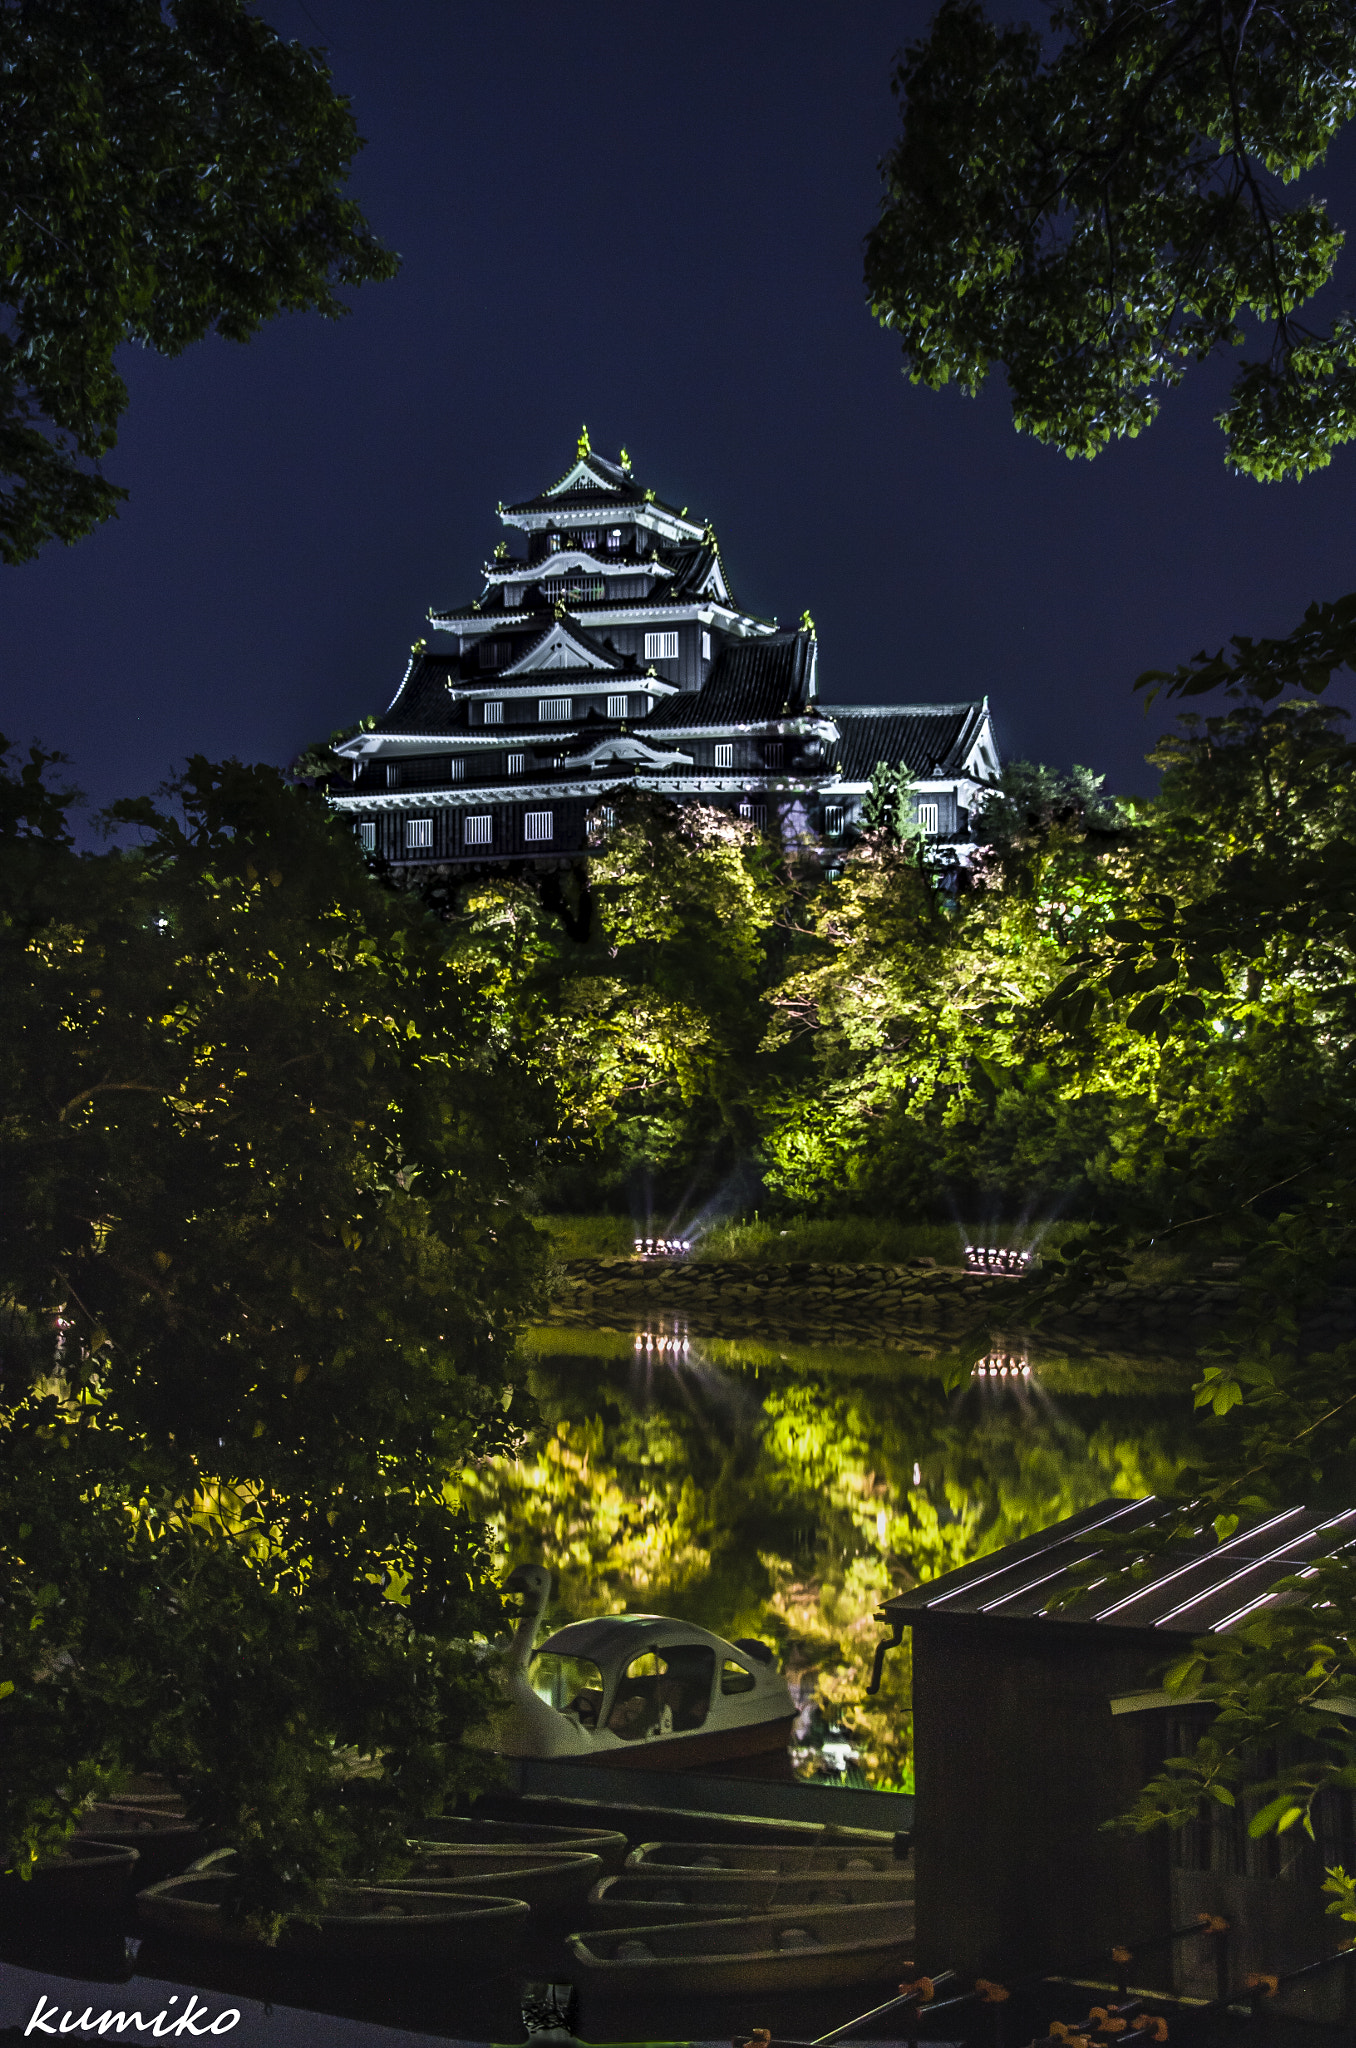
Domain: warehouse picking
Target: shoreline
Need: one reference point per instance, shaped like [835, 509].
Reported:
[923, 1301]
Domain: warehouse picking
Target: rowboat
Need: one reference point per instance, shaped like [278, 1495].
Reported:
[543, 1877]
[810, 1948]
[635, 1691]
[164, 1839]
[359, 1923]
[461, 1832]
[653, 1893]
[847, 1859]
[86, 1879]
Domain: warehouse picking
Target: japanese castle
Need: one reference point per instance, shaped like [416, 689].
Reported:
[606, 650]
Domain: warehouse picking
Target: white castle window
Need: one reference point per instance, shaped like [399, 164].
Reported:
[492, 714]
[536, 825]
[833, 821]
[617, 707]
[754, 814]
[514, 764]
[392, 775]
[614, 540]
[609, 817]
[589, 538]
[367, 835]
[418, 832]
[927, 817]
[725, 757]
[553, 543]
[551, 710]
[476, 831]
[661, 647]
[572, 586]
[456, 768]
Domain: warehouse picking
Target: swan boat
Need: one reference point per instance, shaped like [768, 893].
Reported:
[635, 1690]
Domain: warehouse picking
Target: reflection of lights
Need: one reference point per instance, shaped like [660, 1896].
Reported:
[657, 1343]
[662, 1247]
[1000, 1365]
[996, 1258]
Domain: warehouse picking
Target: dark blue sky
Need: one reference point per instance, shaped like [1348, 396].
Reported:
[649, 220]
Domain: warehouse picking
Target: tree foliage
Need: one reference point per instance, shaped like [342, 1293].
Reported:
[1099, 207]
[167, 172]
[261, 1273]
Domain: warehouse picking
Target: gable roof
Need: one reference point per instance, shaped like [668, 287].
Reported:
[566, 645]
[926, 739]
[1200, 1586]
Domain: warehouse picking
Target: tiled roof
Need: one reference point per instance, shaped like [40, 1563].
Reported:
[749, 684]
[927, 739]
[1200, 1585]
[619, 488]
[422, 703]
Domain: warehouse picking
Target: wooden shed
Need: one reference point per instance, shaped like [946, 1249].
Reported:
[1036, 1722]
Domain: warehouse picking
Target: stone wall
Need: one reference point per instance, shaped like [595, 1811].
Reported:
[919, 1296]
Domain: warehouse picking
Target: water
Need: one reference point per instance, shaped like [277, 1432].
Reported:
[781, 1489]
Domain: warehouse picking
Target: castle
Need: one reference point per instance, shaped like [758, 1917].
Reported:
[607, 650]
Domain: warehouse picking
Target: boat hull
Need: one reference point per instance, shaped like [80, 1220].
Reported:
[691, 1752]
[807, 1949]
[460, 1831]
[369, 1923]
[637, 1897]
[768, 1859]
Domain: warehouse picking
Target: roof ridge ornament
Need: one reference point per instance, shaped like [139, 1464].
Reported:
[807, 625]
[625, 460]
[584, 449]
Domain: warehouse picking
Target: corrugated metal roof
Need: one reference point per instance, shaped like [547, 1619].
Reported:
[1199, 1586]
[927, 739]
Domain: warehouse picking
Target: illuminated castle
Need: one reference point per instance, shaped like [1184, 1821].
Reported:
[606, 650]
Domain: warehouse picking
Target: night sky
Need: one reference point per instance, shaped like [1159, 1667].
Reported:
[650, 221]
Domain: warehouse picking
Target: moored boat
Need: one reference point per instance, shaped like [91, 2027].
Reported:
[772, 1859]
[655, 1894]
[462, 1832]
[543, 1877]
[807, 1948]
[85, 1880]
[358, 1924]
[165, 1840]
[636, 1691]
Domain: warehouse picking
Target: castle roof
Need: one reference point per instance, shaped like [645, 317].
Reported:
[926, 739]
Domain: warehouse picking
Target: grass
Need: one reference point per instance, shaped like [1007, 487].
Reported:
[845, 1240]
[858, 1240]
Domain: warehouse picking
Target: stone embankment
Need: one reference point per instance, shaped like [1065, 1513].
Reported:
[921, 1297]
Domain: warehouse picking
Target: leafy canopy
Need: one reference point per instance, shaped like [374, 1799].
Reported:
[166, 172]
[261, 1274]
[1098, 218]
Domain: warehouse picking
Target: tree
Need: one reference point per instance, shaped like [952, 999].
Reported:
[261, 1272]
[1097, 219]
[167, 172]
[889, 804]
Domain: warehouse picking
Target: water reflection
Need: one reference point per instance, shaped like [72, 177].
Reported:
[781, 1489]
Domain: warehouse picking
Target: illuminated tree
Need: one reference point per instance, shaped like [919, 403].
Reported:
[261, 1272]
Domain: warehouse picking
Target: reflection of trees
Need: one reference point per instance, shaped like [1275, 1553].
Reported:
[775, 1495]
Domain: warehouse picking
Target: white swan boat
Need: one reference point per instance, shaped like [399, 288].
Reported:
[638, 1690]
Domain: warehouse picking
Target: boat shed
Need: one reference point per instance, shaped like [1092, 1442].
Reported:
[1038, 1717]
